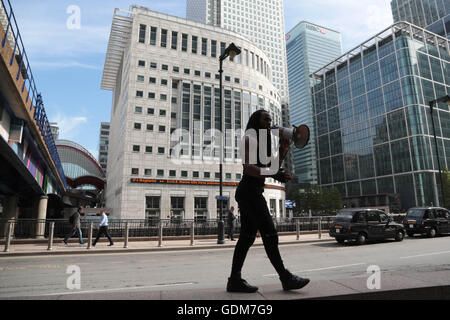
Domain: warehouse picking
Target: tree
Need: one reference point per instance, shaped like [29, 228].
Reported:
[446, 187]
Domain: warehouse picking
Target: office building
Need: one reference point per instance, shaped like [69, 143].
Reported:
[163, 157]
[309, 47]
[373, 127]
[433, 15]
[260, 21]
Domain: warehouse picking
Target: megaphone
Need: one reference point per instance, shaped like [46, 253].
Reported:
[298, 135]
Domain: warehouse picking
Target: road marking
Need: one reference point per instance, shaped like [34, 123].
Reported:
[426, 254]
[121, 289]
[321, 269]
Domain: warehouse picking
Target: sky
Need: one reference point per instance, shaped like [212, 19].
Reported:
[66, 44]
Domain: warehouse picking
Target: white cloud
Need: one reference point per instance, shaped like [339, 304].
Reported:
[356, 20]
[69, 127]
[64, 64]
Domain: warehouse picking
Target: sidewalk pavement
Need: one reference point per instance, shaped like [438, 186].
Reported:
[433, 284]
[40, 247]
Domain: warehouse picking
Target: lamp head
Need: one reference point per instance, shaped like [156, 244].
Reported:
[231, 51]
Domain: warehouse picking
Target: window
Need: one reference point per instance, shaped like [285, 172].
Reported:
[138, 109]
[151, 95]
[136, 148]
[150, 111]
[148, 149]
[162, 128]
[149, 127]
[148, 172]
[142, 31]
[141, 63]
[187, 71]
[160, 150]
[162, 113]
[184, 174]
[139, 94]
[177, 208]
[204, 46]
[140, 78]
[197, 73]
[373, 217]
[160, 173]
[137, 126]
[207, 175]
[228, 176]
[174, 40]
[195, 174]
[176, 69]
[134, 171]
[152, 80]
[213, 48]
[200, 209]
[184, 40]
[208, 75]
[194, 44]
[153, 36]
[163, 38]
[164, 82]
[172, 173]
[152, 208]
[163, 97]
[165, 67]
[153, 65]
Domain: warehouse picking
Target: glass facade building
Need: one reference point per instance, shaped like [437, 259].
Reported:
[308, 48]
[434, 15]
[374, 137]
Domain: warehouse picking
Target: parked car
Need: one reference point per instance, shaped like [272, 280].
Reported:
[363, 224]
[431, 221]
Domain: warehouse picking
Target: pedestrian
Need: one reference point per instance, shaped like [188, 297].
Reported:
[255, 215]
[75, 220]
[103, 228]
[231, 223]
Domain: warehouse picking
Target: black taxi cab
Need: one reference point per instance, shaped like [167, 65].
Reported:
[364, 224]
[431, 221]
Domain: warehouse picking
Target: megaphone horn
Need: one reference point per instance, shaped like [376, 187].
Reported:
[298, 135]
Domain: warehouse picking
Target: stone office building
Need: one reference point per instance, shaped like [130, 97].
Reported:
[163, 73]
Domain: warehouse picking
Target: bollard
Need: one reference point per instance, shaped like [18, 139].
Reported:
[8, 236]
[91, 227]
[126, 235]
[192, 233]
[50, 235]
[160, 234]
[320, 227]
[297, 228]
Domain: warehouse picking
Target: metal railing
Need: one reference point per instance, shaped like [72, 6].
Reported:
[157, 229]
[14, 39]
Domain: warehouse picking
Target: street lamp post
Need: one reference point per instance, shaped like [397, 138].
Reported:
[230, 51]
[445, 99]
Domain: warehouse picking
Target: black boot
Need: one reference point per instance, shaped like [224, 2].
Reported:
[292, 282]
[240, 285]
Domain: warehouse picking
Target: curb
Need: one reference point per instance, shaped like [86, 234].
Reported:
[422, 293]
[138, 250]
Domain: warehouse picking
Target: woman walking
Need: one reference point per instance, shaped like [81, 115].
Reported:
[255, 215]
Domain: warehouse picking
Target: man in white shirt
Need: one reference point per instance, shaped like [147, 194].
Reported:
[103, 228]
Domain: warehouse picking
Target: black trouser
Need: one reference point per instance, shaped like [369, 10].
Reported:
[103, 231]
[255, 216]
[231, 230]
